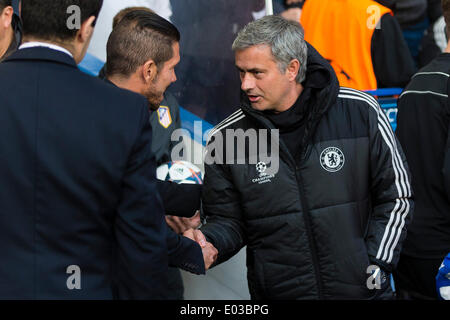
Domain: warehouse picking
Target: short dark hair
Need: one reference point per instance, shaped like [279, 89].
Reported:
[122, 13]
[5, 3]
[47, 19]
[140, 36]
[446, 14]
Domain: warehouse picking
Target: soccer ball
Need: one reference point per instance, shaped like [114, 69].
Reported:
[180, 172]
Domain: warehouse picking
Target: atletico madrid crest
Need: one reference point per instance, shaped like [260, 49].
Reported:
[164, 117]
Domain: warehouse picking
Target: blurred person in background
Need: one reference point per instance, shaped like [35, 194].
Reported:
[423, 128]
[362, 41]
[288, 9]
[434, 41]
[208, 85]
[417, 18]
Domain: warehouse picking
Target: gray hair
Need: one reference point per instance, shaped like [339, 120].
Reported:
[285, 38]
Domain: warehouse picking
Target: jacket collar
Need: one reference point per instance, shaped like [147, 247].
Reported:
[42, 54]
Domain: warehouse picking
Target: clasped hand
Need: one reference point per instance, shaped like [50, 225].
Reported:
[208, 250]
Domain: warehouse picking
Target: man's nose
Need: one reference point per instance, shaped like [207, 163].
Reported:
[247, 82]
[174, 77]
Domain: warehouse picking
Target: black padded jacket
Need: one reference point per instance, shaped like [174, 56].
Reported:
[313, 228]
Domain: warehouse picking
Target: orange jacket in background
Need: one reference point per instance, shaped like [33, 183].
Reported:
[342, 30]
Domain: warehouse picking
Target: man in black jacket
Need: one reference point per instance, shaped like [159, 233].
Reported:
[337, 204]
[424, 131]
[79, 211]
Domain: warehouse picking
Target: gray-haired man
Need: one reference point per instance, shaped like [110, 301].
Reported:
[330, 222]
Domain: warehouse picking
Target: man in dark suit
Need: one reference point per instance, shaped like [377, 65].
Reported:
[182, 200]
[79, 211]
[143, 50]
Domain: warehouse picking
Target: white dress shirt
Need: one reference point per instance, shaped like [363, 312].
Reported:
[35, 44]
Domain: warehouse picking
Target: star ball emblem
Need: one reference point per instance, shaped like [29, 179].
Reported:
[261, 167]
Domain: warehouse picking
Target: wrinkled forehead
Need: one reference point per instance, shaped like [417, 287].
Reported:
[254, 55]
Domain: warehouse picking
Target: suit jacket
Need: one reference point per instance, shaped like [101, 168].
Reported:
[79, 210]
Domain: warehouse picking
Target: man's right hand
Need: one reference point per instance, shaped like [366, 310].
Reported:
[208, 250]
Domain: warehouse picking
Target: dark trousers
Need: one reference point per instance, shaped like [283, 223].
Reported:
[415, 279]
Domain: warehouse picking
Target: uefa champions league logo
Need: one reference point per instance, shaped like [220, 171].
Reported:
[261, 167]
[263, 176]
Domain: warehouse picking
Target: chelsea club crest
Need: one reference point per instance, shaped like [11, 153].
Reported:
[332, 159]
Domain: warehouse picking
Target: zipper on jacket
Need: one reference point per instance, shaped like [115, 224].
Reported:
[306, 216]
[308, 224]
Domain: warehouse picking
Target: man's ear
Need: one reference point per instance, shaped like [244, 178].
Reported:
[149, 71]
[86, 30]
[293, 69]
[7, 16]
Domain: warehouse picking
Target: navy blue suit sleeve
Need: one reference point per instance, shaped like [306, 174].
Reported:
[185, 253]
[140, 227]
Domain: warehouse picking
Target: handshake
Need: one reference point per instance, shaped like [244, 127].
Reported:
[208, 250]
[187, 227]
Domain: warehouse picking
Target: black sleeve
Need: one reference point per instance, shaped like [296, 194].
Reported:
[392, 61]
[446, 168]
[391, 193]
[181, 200]
[224, 227]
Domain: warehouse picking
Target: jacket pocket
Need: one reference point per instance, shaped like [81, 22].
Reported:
[352, 269]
